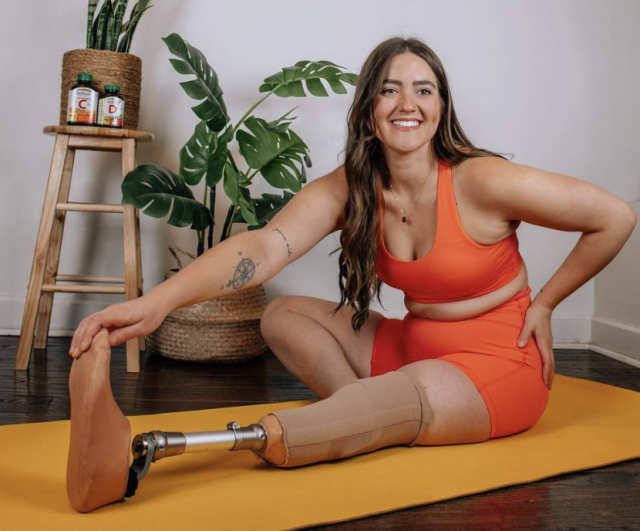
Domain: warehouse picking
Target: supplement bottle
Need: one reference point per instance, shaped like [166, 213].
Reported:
[111, 107]
[83, 102]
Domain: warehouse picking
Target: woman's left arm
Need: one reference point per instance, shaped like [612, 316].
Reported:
[562, 203]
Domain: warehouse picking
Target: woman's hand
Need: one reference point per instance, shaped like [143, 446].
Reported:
[537, 322]
[124, 321]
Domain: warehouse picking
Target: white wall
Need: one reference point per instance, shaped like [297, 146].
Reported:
[615, 327]
[552, 81]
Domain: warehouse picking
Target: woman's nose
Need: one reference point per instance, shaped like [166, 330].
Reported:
[406, 103]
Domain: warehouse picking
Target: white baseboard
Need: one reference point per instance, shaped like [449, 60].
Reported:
[615, 355]
[610, 338]
[617, 340]
[68, 311]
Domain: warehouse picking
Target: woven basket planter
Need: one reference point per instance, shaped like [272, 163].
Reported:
[225, 330]
[107, 68]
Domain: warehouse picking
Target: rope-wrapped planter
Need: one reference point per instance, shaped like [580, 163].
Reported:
[224, 330]
[107, 68]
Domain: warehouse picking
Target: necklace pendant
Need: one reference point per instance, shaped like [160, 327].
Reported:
[404, 219]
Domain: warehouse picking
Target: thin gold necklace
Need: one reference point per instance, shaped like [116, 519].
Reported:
[406, 217]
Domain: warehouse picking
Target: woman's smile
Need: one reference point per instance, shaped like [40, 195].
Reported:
[406, 125]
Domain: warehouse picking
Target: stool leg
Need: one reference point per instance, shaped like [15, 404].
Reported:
[131, 253]
[41, 252]
[142, 345]
[46, 300]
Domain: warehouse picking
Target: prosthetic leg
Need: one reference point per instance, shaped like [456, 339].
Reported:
[364, 416]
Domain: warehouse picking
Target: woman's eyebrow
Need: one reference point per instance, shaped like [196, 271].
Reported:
[415, 83]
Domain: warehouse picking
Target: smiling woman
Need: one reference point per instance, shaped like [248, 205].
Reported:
[424, 210]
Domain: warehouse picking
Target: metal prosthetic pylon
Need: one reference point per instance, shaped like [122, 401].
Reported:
[150, 447]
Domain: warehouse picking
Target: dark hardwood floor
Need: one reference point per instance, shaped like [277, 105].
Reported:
[607, 498]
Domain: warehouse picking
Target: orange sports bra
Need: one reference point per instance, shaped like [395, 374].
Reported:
[457, 267]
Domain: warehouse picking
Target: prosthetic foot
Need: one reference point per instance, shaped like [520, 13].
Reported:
[98, 463]
[98, 471]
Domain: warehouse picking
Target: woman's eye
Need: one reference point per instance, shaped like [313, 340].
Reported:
[387, 90]
[424, 91]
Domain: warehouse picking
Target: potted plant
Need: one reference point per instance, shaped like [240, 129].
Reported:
[227, 329]
[107, 56]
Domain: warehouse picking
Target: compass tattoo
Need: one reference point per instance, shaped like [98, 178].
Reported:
[289, 250]
[243, 274]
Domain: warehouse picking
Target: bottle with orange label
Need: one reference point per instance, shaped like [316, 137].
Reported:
[83, 102]
[111, 107]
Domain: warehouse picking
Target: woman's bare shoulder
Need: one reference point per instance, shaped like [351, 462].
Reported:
[539, 197]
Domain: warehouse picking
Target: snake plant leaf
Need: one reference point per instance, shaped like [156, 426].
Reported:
[119, 17]
[235, 186]
[292, 80]
[136, 14]
[280, 157]
[90, 34]
[205, 86]
[266, 208]
[156, 190]
[107, 38]
[100, 24]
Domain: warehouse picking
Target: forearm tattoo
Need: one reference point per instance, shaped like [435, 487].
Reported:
[289, 250]
[243, 274]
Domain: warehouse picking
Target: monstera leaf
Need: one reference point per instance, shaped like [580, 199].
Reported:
[201, 157]
[194, 155]
[289, 82]
[204, 87]
[235, 186]
[279, 156]
[156, 190]
[265, 208]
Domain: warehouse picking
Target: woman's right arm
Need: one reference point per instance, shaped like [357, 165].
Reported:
[243, 261]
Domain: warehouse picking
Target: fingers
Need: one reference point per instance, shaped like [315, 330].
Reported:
[83, 336]
[124, 321]
[549, 369]
[122, 335]
[113, 316]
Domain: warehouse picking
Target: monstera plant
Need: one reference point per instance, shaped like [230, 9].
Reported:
[270, 149]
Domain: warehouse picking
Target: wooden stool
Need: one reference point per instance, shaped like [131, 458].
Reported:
[44, 279]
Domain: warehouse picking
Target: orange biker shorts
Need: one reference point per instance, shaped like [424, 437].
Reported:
[508, 377]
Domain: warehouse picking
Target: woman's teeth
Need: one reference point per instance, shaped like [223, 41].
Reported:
[406, 123]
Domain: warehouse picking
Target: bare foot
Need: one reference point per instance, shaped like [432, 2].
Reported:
[98, 464]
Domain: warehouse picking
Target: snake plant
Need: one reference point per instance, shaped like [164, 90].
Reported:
[269, 148]
[106, 29]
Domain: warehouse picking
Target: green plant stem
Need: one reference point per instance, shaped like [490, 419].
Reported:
[228, 223]
[251, 109]
[202, 233]
[233, 215]
[250, 177]
[212, 206]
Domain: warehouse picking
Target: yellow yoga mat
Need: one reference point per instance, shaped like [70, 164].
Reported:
[586, 425]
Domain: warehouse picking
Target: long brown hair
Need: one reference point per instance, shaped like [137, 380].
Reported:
[365, 165]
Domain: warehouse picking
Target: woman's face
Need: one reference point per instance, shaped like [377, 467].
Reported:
[407, 108]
